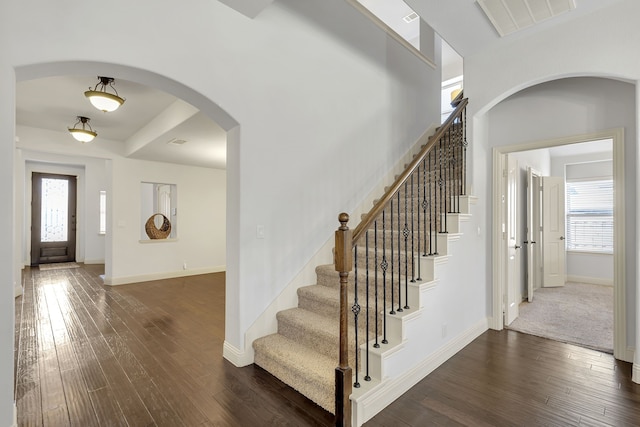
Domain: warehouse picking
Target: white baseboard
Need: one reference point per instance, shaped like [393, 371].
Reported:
[94, 261]
[115, 281]
[590, 280]
[15, 415]
[635, 375]
[369, 404]
[17, 291]
[235, 356]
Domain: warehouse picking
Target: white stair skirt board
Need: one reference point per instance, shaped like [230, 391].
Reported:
[373, 397]
[417, 342]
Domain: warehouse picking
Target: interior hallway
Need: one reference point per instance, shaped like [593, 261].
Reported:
[151, 354]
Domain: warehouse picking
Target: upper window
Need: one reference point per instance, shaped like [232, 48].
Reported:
[590, 215]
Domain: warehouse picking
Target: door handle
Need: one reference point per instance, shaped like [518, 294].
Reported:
[533, 243]
[561, 237]
[517, 246]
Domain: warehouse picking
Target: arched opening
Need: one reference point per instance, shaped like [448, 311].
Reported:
[141, 145]
[553, 113]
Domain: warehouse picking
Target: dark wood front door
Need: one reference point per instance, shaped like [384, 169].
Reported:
[53, 218]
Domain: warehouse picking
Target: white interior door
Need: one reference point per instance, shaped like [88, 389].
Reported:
[553, 226]
[531, 239]
[514, 294]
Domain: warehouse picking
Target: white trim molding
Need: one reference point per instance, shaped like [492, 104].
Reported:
[394, 35]
[17, 291]
[590, 280]
[115, 281]
[635, 374]
[236, 356]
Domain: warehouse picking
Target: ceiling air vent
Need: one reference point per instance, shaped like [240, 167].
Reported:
[176, 141]
[509, 16]
[411, 17]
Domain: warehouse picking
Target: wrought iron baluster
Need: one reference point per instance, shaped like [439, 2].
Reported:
[392, 263]
[413, 262]
[425, 203]
[449, 170]
[419, 278]
[366, 322]
[457, 167]
[464, 157]
[384, 266]
[375, 291]
[355, 309]
[432, 205]
[443, 205]
[405, 233]
[400, 232]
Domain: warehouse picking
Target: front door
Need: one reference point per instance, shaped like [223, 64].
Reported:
[53, 218]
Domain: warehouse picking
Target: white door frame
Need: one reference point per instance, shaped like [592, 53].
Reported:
[533, 260]
[620, 349]
[512, 241]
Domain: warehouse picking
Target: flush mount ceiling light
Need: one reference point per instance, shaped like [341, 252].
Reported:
[84, 134]
[103, 100]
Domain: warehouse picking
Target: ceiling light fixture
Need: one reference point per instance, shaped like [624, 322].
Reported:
[84, 134]
[103, 100]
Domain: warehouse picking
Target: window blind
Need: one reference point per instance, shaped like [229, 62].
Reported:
[589, 210]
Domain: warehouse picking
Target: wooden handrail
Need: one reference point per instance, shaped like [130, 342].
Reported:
[380, 205]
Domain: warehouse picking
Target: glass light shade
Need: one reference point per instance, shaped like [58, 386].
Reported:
[82, 135]
[104, 101]
[455, 93]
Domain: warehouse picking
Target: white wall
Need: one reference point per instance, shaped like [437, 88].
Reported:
[592, 45]
[326, 103]
[201, 222]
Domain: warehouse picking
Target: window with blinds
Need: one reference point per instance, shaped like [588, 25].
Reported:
[590, 215]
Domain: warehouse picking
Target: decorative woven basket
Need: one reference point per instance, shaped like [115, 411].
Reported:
[157, 233]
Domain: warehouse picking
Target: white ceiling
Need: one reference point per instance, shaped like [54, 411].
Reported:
[510, 16]
[464, 25]
[148, 119]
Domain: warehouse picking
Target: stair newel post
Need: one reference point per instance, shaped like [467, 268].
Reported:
[343, 265]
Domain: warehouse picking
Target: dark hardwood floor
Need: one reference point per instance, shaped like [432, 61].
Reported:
[151, 354]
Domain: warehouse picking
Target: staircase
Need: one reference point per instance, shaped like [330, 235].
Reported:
[397, 251]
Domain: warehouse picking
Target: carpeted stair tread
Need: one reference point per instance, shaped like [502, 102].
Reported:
[307, 371]
[328, 276]
[325, 301]
[317, 332]
[313, 330]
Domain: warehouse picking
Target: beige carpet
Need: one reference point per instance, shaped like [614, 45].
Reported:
[577, 313]
[58, 266]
